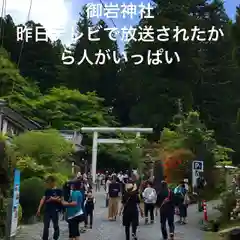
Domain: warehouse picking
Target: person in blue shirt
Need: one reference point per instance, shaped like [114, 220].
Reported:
[75, 213]
[80, 186]
[52, 203]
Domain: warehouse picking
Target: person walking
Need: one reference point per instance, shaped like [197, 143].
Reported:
[166, 204]
[109, 180]
[113, 195]
[75, 213]
[98, 182]
[201, 183]
[130, 210]
[89, 207]
[81, 185]
[106, 179]
[150, 198]
[181, 200]
[52, 201]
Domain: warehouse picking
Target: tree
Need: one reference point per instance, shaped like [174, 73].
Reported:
[133, 148]
[43, 67]
[236, 35]
[97, 77]
[18, 91]
[190, 140]
[203, 78]
[206, 79]
[68, 109]
[46, 148]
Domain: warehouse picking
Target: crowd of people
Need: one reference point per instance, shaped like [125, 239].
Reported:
[138, 198]
[141, 198]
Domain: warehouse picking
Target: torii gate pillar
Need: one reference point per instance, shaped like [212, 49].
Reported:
[94, 155]
[96, 140]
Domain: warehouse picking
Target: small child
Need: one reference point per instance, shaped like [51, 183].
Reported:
[89, 207]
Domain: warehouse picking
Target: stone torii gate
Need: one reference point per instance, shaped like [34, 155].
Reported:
[96, 140]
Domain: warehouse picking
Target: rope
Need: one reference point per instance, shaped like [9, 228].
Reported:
[103, 4]
[22, 45]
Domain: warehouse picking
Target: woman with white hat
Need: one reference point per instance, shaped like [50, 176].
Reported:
[130, 210]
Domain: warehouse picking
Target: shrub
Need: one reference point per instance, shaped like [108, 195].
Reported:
[228, 199]
[19, 213]
[60, 178]
[31, 192]
[47, 147]
[29, 168]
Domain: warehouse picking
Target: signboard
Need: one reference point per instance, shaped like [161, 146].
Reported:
[16, 194]
[197, 167]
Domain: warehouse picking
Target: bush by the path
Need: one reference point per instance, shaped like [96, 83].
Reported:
[32, 190]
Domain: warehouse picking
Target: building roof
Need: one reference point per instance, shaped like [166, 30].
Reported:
[19, 119]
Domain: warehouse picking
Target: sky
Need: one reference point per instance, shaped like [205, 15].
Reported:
[59, 17]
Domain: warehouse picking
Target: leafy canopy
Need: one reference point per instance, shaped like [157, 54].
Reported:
[190, 133]
[63, 108]
[47, 148]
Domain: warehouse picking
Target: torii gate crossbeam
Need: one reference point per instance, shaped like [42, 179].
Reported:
[96, 140]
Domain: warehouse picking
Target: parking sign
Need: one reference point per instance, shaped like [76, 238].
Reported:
[198, 166]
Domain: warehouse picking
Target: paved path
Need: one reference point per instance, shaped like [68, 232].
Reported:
[105, 230]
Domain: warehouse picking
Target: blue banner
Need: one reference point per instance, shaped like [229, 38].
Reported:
[16, 195]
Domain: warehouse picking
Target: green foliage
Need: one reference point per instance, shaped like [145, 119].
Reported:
[133, 148]
[65, 168]
[32, 190]
[16, 90]
[20, 214]
[172, 186]
[46, 147]
[206, 78]
[60, 178]
[29, 167]
[63, 108]
[228, 202]
[171, 140]
[190, 133]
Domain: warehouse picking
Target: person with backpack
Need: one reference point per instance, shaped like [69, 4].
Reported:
[150, 198]
[166, 205]
[180, 194]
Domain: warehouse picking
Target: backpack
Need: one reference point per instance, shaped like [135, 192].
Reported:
[152, 196]
[178, 192]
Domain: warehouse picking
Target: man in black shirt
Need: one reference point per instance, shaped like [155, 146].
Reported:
[113, 195]
[200, 189]
[52, 203]
[166, 204]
